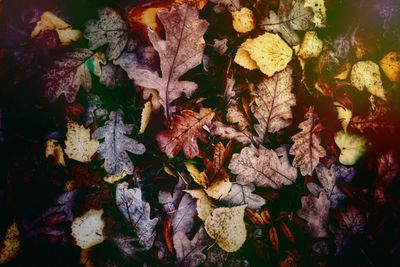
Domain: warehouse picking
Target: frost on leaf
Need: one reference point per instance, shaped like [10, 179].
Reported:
[263, 167]
[306, 148]
[137, 213]
[111, 29]
[88, 229]
[184, 131]
[243, 194]
[78, 145]
[274, 99]
[315, 210]
[227, 227]
[181, 51]
[292, 15]
[116, 144]
[67, 75]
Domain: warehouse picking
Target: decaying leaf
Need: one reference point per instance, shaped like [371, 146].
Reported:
[204, 204]
[263, 167]
[137, 213]
[181, 51]
[319, 9]
[49, 21]
[274, 99]
[243, 20]
[54, 149]
[10, 246]
[366, 74]
[88, 229]
[315, 210]
[352, 147]
[311, 46]
[292, 15]
[185, 129]
[306, 148]
[227, 227]
[243, 194]
[390, 64]
[116, 144]
[78, 145]
[111, 75]
[111, 29]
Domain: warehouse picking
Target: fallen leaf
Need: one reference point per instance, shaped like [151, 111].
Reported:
[111, 76]
[146, 116]
[199, 177]
[185, 129]
[243, 58]
[183, 216]
[315, 210]
[352, 147]
[243, 194]
[306, 148]
[366, 74]
[243, 20]
[199, 4]
[273, 237]
[78, 145]
[227, 132]
[292, 15]
[311, 46]
[116, 144]
[319, 9]
[220, 45]
[230, 5]
[88, 229]
[390, 64]
[111, 179]
[227, 227]
[263, 167]
[344, 114]
[272, 108]
[111, 29]
[94, 111]
[137, 213]
[235, 116]
[54, 149]
[181, 51]
[10, 246]
[204, 204]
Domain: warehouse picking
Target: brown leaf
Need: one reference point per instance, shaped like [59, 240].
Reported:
[306, 148]
[181, 51]
[185, 129]
[273, 237]
[227, 132]
[286, 231]
[266, 216]
[167, 225]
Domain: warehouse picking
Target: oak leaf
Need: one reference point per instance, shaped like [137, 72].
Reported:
[111, 29]
[78, 145]
[181, 51]
[306, 148]
[116, 144]
[227, 227]
[183, 215]
[243, 194]
[272, 106]
[227, 132]
[88, 229]
[263, 167]
[184, 131]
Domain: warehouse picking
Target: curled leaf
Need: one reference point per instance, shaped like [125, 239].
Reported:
[351, 146]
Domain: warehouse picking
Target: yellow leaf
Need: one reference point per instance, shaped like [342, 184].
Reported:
[49, 21]
[344, 72]
[243, 58]
[88, 229]
[146, 115]
[365, 74]
[227, 227]
[199, 177]
[169, 170]
[311, 45]
[270, 53]
[390, 65]
[54, 149]
[11, 244]
[204, 205]
[219, 188]
[243, 20]
[352, 147]
[79, 146]
[111, 178]
[319, 10]
[344, 114]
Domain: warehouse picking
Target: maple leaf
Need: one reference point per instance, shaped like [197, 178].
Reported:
[78, 145]
[111, 29]
[189, 253]
[315, 210]
[116, 144]
[273, 103]
[184, 131]
[306, 148]
[263, 167]
[291, 16]
[67, 75]
[242, 194]
[137, 212]
[181, 51]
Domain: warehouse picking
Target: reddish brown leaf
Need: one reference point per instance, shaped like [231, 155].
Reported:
[167, 224]
[273, 237]
[286, 231]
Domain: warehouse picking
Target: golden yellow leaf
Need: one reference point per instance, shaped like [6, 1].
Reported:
[11, 244]
[54, 149]
[227, 227]
[390, 65]
[344, 114]
[366, 74]
[153, 96]
[243, 20]
[169, 170]
[79, 146]
[204, 205]
[343, 72]
[199, 177]
[49, 21]
[88, 229]
[243, 58]
[146, 115]
[270, 53]
[319, 10]
[112, 178]
[311, 46]
[220, 187]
